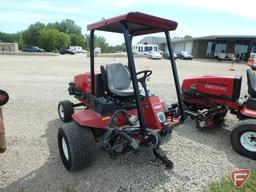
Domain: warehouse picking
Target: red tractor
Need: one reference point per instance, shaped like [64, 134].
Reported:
[209, 98]
[116, 113]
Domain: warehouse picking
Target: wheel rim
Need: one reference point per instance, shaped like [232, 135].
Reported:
[248, 141]
[61, 111]
[65, 148]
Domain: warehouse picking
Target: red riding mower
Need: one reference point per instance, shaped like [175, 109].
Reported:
[208, 99]
[117, 114]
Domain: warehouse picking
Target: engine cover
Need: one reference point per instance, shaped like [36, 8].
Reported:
[83, 83]
[216, 87]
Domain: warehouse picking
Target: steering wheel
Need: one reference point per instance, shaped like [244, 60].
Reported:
[146, 73]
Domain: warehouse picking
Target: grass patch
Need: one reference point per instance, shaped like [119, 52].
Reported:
[226, 185]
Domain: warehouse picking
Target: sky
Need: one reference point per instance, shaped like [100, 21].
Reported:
[195, 17]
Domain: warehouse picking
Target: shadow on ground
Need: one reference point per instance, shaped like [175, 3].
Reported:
[127, 173]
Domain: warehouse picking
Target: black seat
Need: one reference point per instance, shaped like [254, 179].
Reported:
[251, 80]
[119, 80]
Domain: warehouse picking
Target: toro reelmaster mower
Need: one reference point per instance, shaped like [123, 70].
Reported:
[118, 111]
[208, 99]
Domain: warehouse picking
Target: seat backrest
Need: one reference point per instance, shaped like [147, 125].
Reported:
[251, 80]
[118, 76]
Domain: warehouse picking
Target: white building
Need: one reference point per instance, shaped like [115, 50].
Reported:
[209, 46]
[8, 47]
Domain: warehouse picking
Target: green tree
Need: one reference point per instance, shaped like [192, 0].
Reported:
[69, 26]
[57, 35]
[48, 39]
[101, 42]
[20, 40]
[6, 37]
[31, 35]
[63, 40]
[12, 38]
[55, 25]
[76, 40]
[86, 42]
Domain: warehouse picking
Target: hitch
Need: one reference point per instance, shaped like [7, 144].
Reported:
[163, 158]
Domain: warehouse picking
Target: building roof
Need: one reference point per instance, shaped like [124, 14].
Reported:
[138, 24]
[226, 37]
[152, 40]
[162, 40]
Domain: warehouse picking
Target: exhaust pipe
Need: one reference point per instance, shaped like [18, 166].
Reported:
[4, 97]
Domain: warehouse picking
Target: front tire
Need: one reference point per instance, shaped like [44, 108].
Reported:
[65, 110]
[243, 138]
[76, 146]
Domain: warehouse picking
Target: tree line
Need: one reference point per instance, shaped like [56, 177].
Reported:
[53, 36]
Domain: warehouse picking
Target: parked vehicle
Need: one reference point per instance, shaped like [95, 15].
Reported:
[252, 61]
[32, 49]
[113, 110]
[144, 49]
[184, 55]
[77, 49]
[66, 51]
[97, 50]
[209, 98]
[166, 55]
[154, 55]
[220, 56]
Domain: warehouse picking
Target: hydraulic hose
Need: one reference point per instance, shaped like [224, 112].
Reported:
[151, 141]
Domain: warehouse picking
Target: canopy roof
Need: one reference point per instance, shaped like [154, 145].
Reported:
[138, 24]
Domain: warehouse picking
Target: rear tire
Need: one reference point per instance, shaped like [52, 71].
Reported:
[76, 146]
[243, 138]
[65, 110]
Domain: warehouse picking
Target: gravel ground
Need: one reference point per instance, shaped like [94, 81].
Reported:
[32, 163]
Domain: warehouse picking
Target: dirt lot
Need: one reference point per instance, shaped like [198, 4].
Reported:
[32, 163]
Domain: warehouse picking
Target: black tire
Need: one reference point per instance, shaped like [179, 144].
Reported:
[4, 97]
[65, 110]
[80, 146]
[236, 137]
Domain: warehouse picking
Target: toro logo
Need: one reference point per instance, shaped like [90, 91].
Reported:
[158, 107]
[240, 176]
[216, 87]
